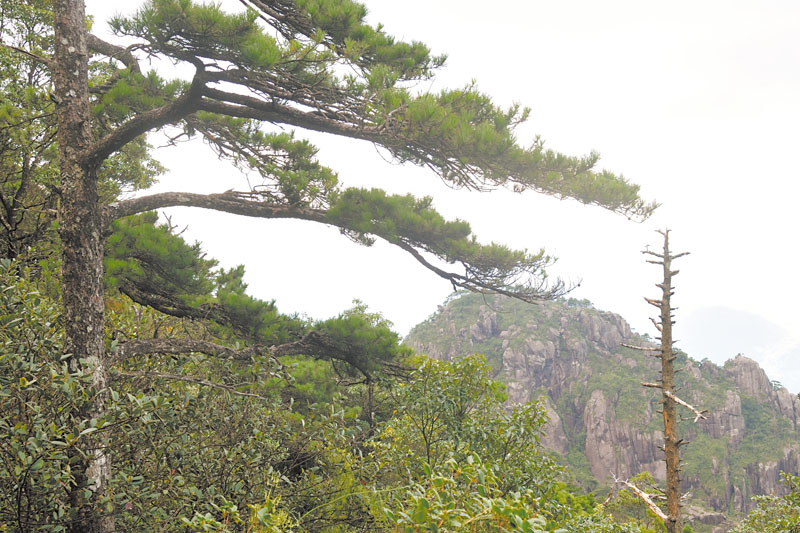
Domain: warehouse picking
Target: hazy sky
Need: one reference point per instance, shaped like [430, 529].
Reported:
[697, 102]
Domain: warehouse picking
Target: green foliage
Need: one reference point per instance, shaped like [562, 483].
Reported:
[437, 408]
[153, 266]
[598, 522]
[27, 151]
[29, 173]
[363, 341]
[206, 455]
[766, 436]
[466, 497]
[582, 303]
[412, 222]
[37, 396]
[700, 456]
[190, 457]
[142, 257]
[250, 318]
[453, 411]
[291, 174]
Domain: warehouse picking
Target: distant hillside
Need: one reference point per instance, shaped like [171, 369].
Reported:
[603, 420]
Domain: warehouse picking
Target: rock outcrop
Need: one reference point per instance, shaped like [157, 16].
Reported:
[572, 354]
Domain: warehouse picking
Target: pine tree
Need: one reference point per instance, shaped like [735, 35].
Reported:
[278, 67]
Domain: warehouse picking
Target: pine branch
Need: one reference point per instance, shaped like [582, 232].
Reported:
[534, 295]
[313, 344]
[243, 203]
[111, 50]
[244, 106]
[228, 202]
[143, 122]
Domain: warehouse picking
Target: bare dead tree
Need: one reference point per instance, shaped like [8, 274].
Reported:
[669, 400]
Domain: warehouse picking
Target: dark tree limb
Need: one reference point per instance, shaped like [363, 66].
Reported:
[233, 389]
[144, 122]
[111, 50]
[243, 106]
[227, 202]
[133, 348]
[313, 344]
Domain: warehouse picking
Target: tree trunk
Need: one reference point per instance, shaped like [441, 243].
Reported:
[82, 257]
[671, 441]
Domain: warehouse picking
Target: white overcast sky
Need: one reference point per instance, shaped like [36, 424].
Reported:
[697, 102]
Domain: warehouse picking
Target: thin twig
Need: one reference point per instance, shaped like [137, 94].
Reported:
[31, 55]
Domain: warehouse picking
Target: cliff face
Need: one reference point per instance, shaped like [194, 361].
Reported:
[602, 420]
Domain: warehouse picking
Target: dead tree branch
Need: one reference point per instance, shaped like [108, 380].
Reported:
[645, 497]
[640, 348]
[698, 414]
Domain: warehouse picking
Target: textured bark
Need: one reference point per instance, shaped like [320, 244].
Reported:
[227, 202]
[671, 442]
[80, 227]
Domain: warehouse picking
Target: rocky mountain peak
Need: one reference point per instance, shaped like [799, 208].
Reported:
[572, 355]
[750, 378]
